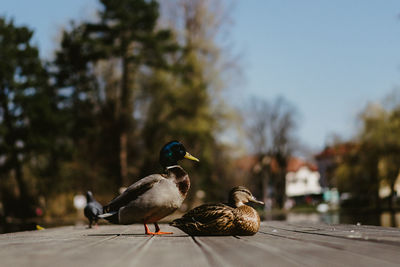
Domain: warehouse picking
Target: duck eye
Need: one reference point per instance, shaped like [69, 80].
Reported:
[246, 192]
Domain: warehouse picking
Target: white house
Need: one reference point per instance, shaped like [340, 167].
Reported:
[302, 178]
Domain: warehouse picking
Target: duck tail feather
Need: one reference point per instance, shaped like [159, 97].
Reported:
[112, 217]
[108, 214]
[177, 222]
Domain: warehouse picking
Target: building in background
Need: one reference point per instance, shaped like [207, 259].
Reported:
[302, 179]
[328, 160]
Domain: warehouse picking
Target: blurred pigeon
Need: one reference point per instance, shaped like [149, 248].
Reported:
[93, 209]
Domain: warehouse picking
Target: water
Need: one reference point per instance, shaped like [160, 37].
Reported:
[386, 219]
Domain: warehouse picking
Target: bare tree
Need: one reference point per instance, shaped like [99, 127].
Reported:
[270, 128]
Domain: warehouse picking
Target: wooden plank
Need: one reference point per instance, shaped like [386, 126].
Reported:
[115, 251]
[230, 251]
[133, 249]
[169, 250]
[331, 252]
[363, 248]
[259, 249]
[277, 244]
[114, 245]
[46, 247]
[379, 234]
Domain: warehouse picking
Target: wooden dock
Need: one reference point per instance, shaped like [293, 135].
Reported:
[276, 244]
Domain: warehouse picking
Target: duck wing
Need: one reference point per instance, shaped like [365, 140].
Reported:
[133, 192]
[208, 219]
[208, 212]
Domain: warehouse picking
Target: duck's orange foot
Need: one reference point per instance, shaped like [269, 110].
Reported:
[159, 233]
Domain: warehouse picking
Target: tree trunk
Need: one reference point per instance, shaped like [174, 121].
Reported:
[392, 195]
[126, 111]
[281, 180]
[280, 189]
[375, 183]
[123, 158]
[23, 209]
[377, 199]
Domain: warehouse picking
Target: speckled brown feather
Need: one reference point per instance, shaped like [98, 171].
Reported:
[247, 221]
[219, 219]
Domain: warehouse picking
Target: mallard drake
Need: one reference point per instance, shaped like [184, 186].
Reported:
[92, 209]
[234, 218]
[155, 196]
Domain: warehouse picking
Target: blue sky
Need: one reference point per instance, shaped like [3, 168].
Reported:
[328, 58]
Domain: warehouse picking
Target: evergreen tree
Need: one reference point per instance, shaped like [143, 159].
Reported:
[184, 102]
[79, 86]
[126, 39]
[127, 32]
[28, 116]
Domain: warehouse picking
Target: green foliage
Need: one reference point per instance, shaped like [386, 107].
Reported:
[29, 126]
[182, 103]
[123, 78]
[98, 64]
[358, 174]
[120, 88]
[376, 158]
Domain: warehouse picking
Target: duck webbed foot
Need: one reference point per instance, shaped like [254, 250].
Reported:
[157, 232]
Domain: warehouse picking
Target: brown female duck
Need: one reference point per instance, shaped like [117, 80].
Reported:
[234, 218]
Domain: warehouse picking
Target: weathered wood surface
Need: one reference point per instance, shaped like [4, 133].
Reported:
[276, 244]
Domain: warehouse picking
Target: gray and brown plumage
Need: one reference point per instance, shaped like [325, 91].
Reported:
[234, 218]
[155, 196]
[92, 209]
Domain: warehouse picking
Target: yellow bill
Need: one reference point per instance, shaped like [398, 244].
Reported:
[38, 227]
[188, 156]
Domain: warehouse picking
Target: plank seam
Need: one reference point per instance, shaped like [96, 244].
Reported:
[210, 257]
[141, 249]
[325, 244]
[387, 242]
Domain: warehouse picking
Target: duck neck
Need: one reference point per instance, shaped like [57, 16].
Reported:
[176, 172]
[180, 177]
[236, 203]
[172, 166]
[239, 204]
